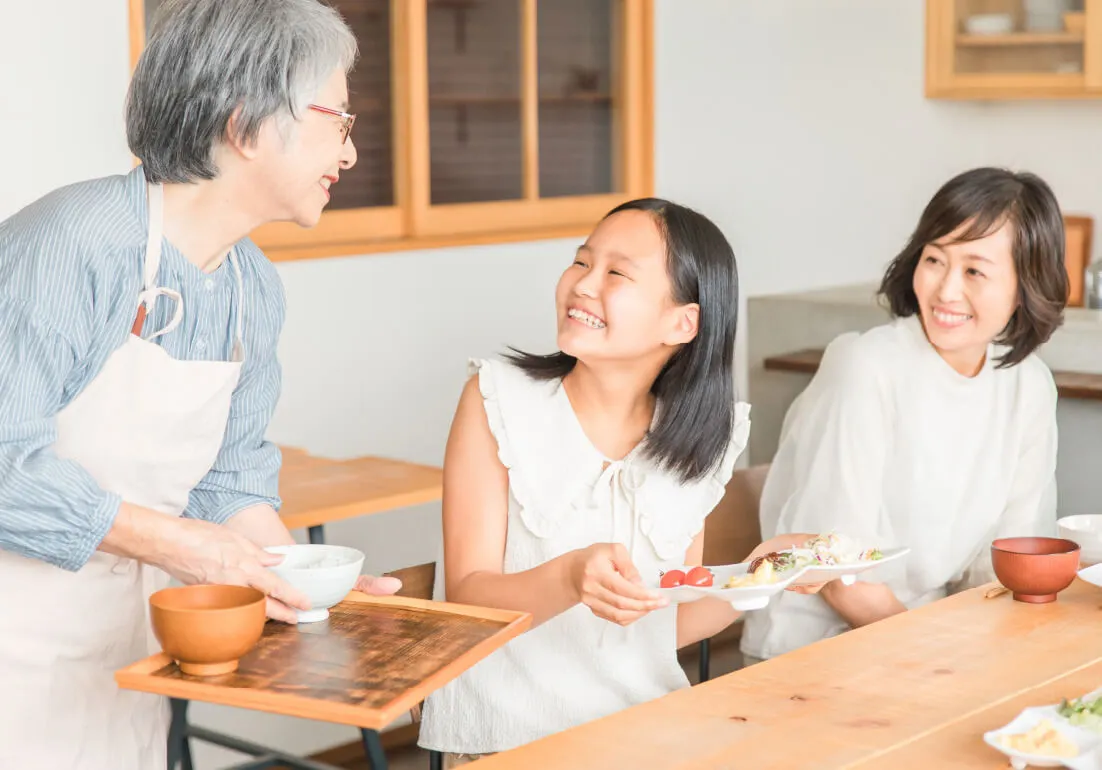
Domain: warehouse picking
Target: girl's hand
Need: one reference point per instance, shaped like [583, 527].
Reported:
[604, 579]
[378, 586]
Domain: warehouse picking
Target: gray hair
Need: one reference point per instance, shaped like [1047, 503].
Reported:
[207, 58]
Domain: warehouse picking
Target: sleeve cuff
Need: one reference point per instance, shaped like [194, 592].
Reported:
[224, 510]
[84, 543]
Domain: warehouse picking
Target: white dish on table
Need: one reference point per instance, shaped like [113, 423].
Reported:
[1091, 574]
[1086, 741]
[847, 573]
[325, 573]
[743, 598]
[1086, 530]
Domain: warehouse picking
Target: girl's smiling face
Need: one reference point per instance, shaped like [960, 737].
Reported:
[614, 302]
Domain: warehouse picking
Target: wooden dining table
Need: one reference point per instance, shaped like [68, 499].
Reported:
[916, 690]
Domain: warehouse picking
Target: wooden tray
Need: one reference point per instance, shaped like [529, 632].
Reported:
[370, 662]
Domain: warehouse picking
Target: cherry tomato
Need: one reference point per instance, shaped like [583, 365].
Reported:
[699, 576]
[672, 579]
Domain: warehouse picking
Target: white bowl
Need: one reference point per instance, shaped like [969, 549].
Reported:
[325, 573]
[989, 24]
[1086, 530]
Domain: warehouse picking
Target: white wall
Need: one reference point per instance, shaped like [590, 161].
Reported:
[803, 128]
[799, 126]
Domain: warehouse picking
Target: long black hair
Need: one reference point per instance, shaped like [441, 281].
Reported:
[695, 391]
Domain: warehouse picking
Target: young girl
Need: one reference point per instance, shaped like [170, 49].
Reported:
[936, 431]
[570, 478]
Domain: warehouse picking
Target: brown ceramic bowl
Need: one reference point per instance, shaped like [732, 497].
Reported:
[1035, 569]
[206, 629]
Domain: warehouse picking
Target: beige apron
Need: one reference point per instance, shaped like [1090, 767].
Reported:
[148, 428]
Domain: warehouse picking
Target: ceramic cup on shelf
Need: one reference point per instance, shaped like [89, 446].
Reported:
[1046, 15]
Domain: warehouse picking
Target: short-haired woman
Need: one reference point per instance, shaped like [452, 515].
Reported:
[138, 370]
[936, 431]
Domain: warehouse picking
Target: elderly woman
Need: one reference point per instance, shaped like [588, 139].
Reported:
[138, 370]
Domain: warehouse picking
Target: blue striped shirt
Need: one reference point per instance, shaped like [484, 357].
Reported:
[70, 275]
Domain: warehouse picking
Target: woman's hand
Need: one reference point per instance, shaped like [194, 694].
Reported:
[198, 552]
[781, 543]
[376, 586]
[605, 580]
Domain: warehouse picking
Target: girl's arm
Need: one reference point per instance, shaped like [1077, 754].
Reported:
[704, 618]
[476, 508]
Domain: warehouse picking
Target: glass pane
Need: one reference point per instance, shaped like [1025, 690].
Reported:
[371, 180]
[1007, 37]
[576, 82]
[151, 7]
[474, 100]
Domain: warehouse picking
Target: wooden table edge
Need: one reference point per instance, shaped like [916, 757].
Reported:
[316, 516]
[450, 608]
[137, 676]
[272, 703]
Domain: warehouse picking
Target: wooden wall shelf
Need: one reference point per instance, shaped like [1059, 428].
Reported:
[1021, 38]
[1061, 63]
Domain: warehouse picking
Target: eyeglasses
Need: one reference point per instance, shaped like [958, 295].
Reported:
[346, 119]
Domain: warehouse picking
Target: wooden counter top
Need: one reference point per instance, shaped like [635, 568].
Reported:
[1079, 385]
[907, 685]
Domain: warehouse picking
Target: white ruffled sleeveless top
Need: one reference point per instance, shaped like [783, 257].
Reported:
[565, 495]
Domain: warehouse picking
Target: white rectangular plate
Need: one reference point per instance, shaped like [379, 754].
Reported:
[742, 598]
[1087, 741]
[823, 573]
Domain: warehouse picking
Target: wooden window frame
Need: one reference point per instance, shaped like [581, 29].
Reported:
[414, 222]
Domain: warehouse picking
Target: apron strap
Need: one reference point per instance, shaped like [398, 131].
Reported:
[150, 291]
[155, 195]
